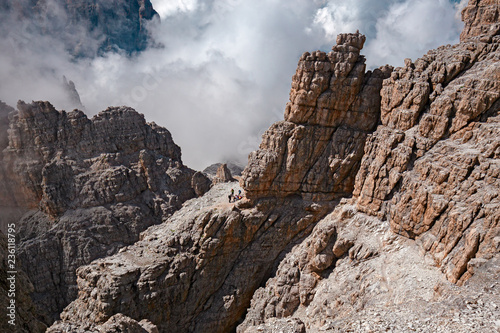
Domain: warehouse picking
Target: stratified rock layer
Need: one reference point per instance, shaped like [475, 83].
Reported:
[92, 186]
[425, 201]
[432, 168]
[198, 271]
[430, 173]
[316, 151]
[352, 274]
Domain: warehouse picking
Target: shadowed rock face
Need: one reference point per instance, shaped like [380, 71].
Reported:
[87, 27]
[197, 271]
[92, 186]
[316, 151]
[25, 315]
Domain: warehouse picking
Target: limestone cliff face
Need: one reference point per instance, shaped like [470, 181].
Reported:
[432, 167]
[316, 150]
[91, 185]
[425, 202]
[197, 271]
[416, 147]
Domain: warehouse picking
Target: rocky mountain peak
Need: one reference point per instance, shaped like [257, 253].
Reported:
[223, 174]
[88, 187]
[355, 40]
[367, 207]
[316, 150]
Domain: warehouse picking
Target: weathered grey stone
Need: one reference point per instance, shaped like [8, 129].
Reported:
[21, 316]
[432, 167]
[200, 267]
[425, 202]
[200, 183]
[480, 18]
[93, 185]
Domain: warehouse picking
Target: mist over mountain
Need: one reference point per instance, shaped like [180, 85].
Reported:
[87, 28]
[215, 73]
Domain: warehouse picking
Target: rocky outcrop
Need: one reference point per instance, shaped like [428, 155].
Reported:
[417, 149]
[235, 169]
[481, 17]
[352, 274]
[432, 167]
[73, 96]
[92, 186]
[200, 183]
[222, 175]
[88, 27]
[316, 151]
[118, 323]
[425, 202]
[430, 172]
[202, 266]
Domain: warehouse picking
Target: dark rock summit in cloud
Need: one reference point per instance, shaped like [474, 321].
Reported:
[86, 27]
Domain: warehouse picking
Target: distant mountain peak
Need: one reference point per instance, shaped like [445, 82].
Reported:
[87, 28]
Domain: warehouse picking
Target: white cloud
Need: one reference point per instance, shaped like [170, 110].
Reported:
[224, 74]
[339, 16]
[171, 7]
[410, 29]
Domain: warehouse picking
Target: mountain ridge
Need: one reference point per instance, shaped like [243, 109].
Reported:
[374, 205]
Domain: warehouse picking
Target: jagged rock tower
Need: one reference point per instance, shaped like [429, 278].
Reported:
[315, 152]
